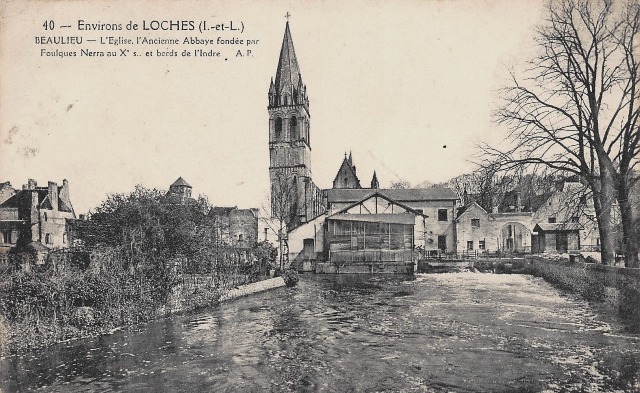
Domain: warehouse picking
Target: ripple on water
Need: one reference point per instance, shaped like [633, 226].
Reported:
[436, 333]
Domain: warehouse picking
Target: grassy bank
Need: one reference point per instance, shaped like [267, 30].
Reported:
[41, 309]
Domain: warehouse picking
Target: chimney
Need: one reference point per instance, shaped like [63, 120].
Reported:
[64, 190]
[31, 184]
[53, 195]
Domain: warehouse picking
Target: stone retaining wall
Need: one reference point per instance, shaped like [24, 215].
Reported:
[616, 286]
[252, 288]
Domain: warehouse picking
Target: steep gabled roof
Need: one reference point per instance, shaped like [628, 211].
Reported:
[346, 169]
[468, 207]
[377, 195]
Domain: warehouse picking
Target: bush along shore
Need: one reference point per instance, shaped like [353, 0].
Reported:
[138, 257]
[44, 309]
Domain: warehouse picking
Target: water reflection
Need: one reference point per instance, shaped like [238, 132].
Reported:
[460, 332]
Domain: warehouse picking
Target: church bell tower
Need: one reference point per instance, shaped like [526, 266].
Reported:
[292, 190]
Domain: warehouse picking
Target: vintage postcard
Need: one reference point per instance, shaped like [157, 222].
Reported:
[319, 196]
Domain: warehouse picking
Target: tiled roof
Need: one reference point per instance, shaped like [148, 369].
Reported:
[181, 182]
[401, 195]
[557, 226]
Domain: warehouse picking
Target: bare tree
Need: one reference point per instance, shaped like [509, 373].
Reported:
[575, 110]
[400, 184]
[283, 210]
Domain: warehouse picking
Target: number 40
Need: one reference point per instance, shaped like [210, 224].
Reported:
[48, 25]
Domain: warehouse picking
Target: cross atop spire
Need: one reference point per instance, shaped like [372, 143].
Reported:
[288, 15]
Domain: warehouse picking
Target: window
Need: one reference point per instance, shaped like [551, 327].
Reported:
[552, 220]
[278, 127]
[47, 238]
[45, 216]
[240, 237]
[481, 244]
[442, 214]
[475, 222]
[294, 128]
[6, 237]
[469, 245]
[442, 242]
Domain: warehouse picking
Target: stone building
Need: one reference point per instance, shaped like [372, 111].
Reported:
[324, 231]
[373, 229]
[513, 226]
[35, 219]
[294, 196]
[235, 227]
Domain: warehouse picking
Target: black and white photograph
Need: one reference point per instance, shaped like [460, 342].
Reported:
[320, 196]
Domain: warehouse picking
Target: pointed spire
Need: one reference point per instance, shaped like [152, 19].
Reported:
[288, 75]
[350, 158]
[374, 181]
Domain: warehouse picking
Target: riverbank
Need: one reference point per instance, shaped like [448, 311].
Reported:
[30, 334]
[619, 287]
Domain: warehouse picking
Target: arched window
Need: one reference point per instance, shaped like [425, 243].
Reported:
[295, 96]
[47, 238]
[294, 128]
[45, 216]
[286, 100]
[278, 128]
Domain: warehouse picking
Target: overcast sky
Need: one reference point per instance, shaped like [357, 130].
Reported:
[392, 82]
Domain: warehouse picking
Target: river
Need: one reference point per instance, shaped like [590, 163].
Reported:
[457, 332]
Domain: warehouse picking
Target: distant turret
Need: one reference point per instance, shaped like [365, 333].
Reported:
[374, 181]
[180, 188]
